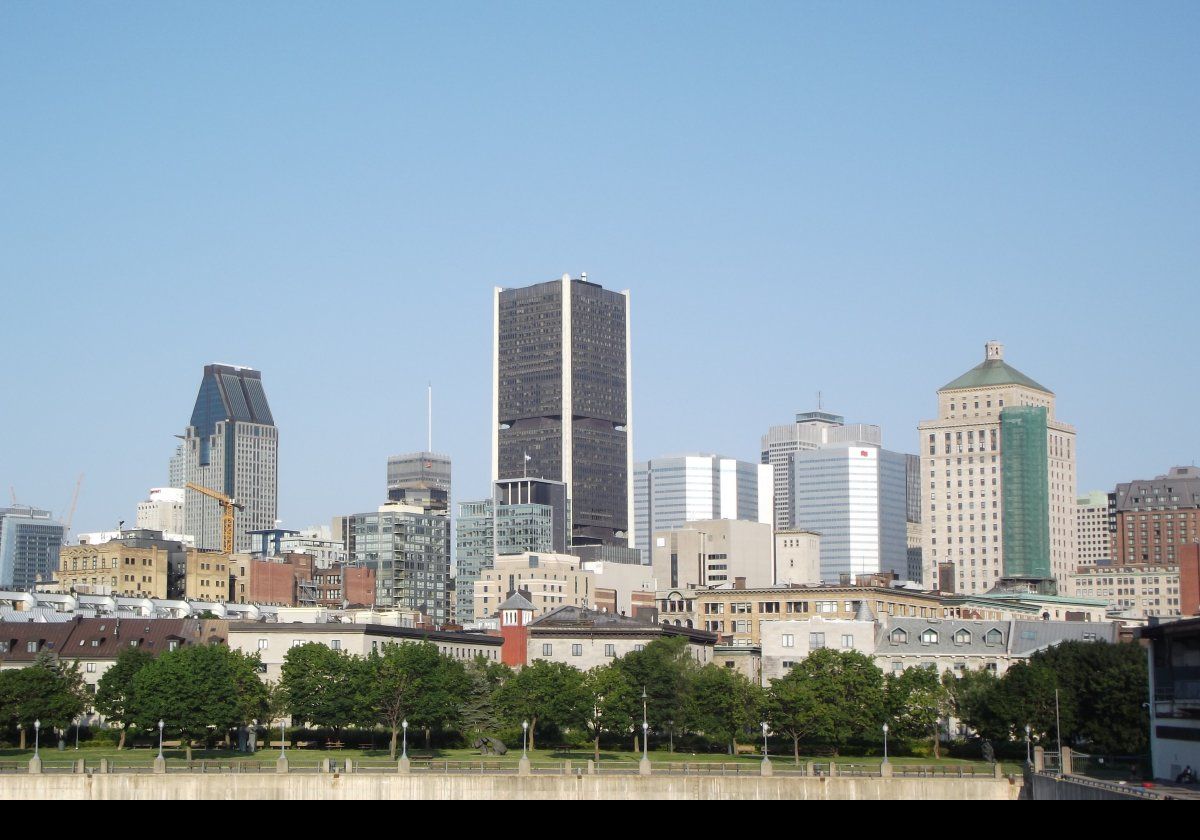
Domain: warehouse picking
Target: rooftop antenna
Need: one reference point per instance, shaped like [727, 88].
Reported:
[820, 407]
[429, 407]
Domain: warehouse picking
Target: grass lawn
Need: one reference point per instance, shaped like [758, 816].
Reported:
[311, 756]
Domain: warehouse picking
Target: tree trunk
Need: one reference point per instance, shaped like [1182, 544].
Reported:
[188, 748]
[121, 742]
[392, 745]
[796, 748]
[937, 746]
[637, 744]
[532, 728]
[21, 729]
[428, 735]
[597, 750]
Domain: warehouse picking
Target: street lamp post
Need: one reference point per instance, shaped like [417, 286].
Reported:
[885, 734]
[282, 738]
[671, 735]
[524, 740]
[37, 731]
[764, 731]
[1028, 755]
[404, 726]
[645, 734]
[78, 723]
[645, 721]
[160, 739]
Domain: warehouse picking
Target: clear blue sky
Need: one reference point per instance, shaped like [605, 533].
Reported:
[839, 197]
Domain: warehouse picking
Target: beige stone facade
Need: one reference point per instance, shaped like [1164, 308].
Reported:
[961, 478]
[1137, 591]
[714, 552]
[206, 576]
[113, 568]
[797, 557]
[551, 581]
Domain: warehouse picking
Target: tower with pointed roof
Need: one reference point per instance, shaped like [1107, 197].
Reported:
[997, 483]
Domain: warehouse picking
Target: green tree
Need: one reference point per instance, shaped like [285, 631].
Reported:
[917, 701]
[479, 715]
[722, 704]
[48, 691]
[664, 670]
[114, 692]
[201, 691]
[972, 702]
[413, 682]
[322, 686]
[794, 708]
[547, 693]
[849, 693]
[609, 703]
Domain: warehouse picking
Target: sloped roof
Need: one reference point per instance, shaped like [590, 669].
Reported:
[517, 601]
[989, 374]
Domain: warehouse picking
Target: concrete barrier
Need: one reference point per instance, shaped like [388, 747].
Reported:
[296, 786]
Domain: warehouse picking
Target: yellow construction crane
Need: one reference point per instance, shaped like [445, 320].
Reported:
[228, 505]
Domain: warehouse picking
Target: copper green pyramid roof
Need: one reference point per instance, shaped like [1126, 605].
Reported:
[992, 372]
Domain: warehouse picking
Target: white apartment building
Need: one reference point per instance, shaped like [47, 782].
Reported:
[992, 421]
[811, 430]
[669, 492]
[162, 510]
[787, 643]
[1093, 543]
[855, 496]
[797, 557]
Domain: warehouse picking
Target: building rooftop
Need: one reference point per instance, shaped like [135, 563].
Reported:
[993, 371]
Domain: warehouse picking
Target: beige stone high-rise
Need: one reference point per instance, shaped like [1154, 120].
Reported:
[963, 499]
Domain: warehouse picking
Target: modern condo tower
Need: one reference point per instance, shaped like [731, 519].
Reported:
[561, 400]
[231, 445]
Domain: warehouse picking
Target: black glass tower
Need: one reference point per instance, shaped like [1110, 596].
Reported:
[561, 400]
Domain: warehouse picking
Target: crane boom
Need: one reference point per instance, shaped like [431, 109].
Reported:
[228, 506]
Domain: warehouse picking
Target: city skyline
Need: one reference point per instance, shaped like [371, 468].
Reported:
[884, 168]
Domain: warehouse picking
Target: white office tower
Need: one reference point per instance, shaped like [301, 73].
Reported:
[667, 492]
[162, 511]
[811, 430]
[855, 496]
[1093, 542]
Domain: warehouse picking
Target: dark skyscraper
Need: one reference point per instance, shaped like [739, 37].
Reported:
[561, 399]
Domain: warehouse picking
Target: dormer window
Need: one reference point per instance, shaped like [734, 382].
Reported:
[962, 637]
[899, 637]
[929, 637]
[993, 637]
[31, 647]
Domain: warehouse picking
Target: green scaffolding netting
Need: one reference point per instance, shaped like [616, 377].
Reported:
[1024, 469]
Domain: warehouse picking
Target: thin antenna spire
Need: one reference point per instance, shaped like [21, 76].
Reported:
[429, 403]
[820, 407]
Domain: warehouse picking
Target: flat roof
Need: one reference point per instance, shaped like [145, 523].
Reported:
[414, 633]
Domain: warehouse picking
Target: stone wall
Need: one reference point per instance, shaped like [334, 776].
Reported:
[300, 786]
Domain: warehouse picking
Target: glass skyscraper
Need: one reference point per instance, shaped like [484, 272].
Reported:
[561, 400]
[231, 445]
[409, 549]
[30, 541]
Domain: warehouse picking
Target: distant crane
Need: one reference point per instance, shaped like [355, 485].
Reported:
[71, 511]
[228, 506]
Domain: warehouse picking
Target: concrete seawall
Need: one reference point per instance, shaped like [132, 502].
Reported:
[267, 786]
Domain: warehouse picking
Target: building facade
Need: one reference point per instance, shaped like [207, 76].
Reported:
[1151, 519]
[855, 495]
[546, 580]
[421, 479]
[999, 472]
[586, 639]
[1139, 591]
[162, 511]
[408, 549]
[231, 446]
[811, 430]
[719, 552]
[797, 557]
[562, 400]
[30, 541]
[668, 492]
[524, 515]
[1093, 542]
